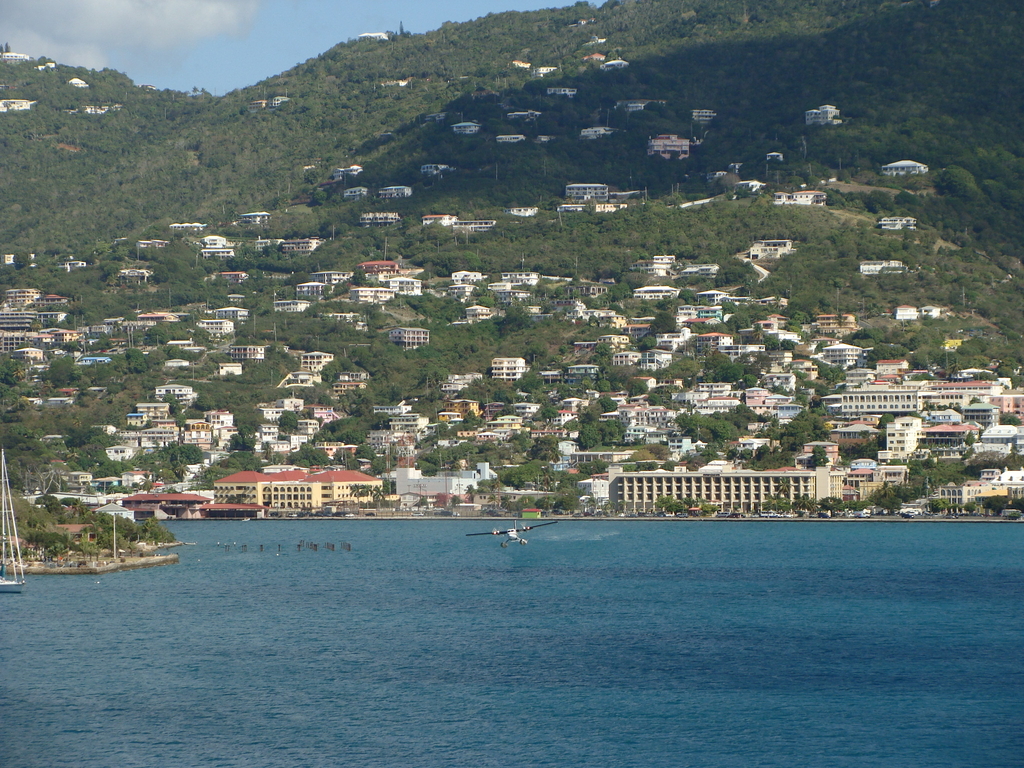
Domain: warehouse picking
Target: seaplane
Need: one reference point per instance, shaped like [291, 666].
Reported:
[512, 534]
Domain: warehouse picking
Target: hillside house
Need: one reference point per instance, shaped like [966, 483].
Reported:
[331, 277]
[897, 222]
[243, 352]
[529, 115]
[703, 115]
[394, 193]
[302, 246]
[435, 169]
[467, 276]
[510, 138]
[379, 218]
[904, 168]
[409, 338]
[569, 92]
[541, 71]
[444, 219]
[231, 313]
[656, 293]
[770, 249]
[668, 145]
[371, 295]
[403, 286]
[311, 290]
[379, 267]
[802, 197]
[584, 192]
[467, 128]
[880, 267]
[258, 217]
[596, 132]
[826, 114]
[216, 327]
[522, 212]
[478, 225]
[614, 64]
[508, 368]
[844, 356]
[292, 305]
[354, 193]
[15, 105]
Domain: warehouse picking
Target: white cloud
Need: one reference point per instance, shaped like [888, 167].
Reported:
[93, 33]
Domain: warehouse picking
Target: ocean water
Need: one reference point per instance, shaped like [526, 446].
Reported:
[600, 644]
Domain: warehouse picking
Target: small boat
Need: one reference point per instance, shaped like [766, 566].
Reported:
[12, 568]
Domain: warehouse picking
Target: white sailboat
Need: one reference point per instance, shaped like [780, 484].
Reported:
[12, 568]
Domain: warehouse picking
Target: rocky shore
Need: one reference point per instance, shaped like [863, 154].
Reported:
[93, 567]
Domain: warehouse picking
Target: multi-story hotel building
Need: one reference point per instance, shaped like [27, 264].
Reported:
[733, 490]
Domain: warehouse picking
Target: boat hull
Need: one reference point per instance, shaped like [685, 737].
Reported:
[11, 586]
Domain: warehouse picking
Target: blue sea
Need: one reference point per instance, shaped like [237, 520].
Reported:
[619, 643]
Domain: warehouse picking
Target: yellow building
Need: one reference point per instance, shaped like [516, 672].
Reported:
[297, 489]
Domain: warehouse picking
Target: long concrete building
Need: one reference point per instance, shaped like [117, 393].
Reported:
[733, 490]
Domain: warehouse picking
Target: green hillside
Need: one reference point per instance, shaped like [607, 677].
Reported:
[940, 85]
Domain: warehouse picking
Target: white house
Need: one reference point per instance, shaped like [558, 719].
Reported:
[897, 222]
[392, 193]
[510, 138]
[844, 356]
[596, 132]
[231, 313]
[826, 114]
[906, 312]
[354, 193]
[803, 197]
[403, 286]
[216, 327]
[904, 168]
[467, 128]
[524, 212]
[435, 169]
[878, 267]
[444, 219]
[508, 368]
[77, 83]
[466, 276]
[656, 293]
[770, 249]
[614, 64]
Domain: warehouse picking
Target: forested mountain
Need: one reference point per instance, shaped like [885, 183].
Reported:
[938, 83]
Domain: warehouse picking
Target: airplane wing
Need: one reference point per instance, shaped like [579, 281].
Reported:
[488, 533]
[538, 525]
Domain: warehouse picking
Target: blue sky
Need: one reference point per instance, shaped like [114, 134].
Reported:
[218, 45]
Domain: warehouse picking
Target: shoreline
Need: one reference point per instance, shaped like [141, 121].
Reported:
[647, 519]
[92, 568]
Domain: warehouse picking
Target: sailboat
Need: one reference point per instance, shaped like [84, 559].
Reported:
[12, 568]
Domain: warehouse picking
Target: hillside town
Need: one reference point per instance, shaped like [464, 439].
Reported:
[785, 417]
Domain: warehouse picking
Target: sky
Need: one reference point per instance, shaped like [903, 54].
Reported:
[219, 45]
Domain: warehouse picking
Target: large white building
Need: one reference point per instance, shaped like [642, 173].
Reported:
[826, 114]
[508, 368]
